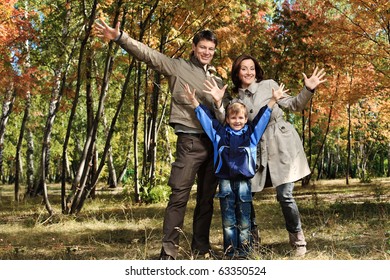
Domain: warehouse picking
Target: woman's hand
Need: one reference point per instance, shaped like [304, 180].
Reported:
[106, 32]
[315, 79]
[216, 92]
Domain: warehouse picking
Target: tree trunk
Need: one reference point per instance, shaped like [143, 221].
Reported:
[337, 158]
[75, 200]
[329, 163]
[91, 192]
[381, 168]
[135, 137]
[152, 148]
[151, 130]
[45, 155]
[306, 180]
[348, 144]
[110, 132]
[66, 202]
[92, 185]
[18, 166]
[324, 139]
[388, 160]
[321, 166]
[349, 135]
[90, 117]
[124, 168]
[327, 130]
[309, 132]
[112, 178]
[8, 103]
[168, 148]
[148, 154]
[30, 160]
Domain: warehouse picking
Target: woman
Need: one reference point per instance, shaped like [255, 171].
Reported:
[281, 159]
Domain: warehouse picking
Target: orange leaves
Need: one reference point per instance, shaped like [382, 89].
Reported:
[15, 31]
[14, 27]
[6, 9]
[7, 25]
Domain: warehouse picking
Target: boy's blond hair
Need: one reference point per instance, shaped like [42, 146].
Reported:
[236, 106]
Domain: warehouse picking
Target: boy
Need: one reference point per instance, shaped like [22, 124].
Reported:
[234, 161]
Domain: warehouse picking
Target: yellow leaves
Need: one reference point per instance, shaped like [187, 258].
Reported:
[14, 26]
[105, 4]
[14, 30]
[7, 22]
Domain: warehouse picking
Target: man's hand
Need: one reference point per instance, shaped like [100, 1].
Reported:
[216, 92]
[106, 32]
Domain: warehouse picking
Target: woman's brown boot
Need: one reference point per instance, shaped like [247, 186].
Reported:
[297, 241]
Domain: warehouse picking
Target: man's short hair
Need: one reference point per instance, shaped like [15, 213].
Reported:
[205, 35]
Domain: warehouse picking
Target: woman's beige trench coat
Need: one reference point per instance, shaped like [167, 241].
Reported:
[280, 148]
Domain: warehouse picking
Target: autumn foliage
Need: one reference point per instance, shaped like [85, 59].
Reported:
[46, 50]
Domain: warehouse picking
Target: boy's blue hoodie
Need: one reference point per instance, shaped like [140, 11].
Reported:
[234, 150]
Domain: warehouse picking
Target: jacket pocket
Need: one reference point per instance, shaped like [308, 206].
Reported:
[184, 145]
[285, 128]
[181, 99]
[287, 142]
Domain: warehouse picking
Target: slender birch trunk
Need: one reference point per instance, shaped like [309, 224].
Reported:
[66, 202]
[8, 103]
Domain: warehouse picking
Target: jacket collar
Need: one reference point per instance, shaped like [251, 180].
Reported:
[250, 91]
[195, 61]
[209, 69]
[237, 132]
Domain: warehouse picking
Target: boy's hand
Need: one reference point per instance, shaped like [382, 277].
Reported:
[277, 95]
[191, 96]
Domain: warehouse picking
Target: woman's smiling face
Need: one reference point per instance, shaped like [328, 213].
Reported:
[247, 73]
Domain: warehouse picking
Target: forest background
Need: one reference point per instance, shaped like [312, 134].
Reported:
[80, 114]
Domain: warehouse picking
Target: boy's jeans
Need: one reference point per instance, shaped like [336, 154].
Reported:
[235, 200]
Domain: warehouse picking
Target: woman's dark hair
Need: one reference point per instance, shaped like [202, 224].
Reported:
[205, 35]
[236, 69]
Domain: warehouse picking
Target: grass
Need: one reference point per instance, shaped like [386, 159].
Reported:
[340, 223]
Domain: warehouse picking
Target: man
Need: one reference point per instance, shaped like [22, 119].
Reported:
[194, 151]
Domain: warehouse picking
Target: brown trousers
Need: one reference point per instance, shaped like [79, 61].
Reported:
[194, 159]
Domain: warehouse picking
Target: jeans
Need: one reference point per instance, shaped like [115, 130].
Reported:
[235, 200]
[289, 207]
